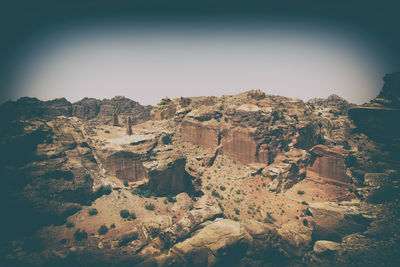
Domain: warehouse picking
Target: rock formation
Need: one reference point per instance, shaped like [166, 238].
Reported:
[240, 180]
[128, 126]
[329, 163]
[115, 121]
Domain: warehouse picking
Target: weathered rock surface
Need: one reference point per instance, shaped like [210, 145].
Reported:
[220, 240]
[329, 162]
[333, 221]
[49, 172]
[324, 246]
[100, 111]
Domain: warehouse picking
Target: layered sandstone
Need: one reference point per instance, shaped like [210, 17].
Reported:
[329, 163]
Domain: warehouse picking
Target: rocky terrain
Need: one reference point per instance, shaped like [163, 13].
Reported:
[241, 180]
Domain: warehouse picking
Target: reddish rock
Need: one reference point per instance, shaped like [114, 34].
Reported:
[329, 162]
[204, 134]
[115, 120]
[129, 126]
[240, 144]
[164, 110]
[125, 165]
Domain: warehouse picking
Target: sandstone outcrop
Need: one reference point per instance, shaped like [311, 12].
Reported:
[324, 246]
[218, 241]
[332, 221]
[329, 162]
[49, 172]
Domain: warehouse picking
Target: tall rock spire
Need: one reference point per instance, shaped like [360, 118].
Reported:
[115, 119]
[128, 126]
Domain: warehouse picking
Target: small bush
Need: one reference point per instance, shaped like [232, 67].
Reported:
[171, 199]
[105, 190]
[143, 193]
[80, 235]
[126, 183]
[216, 194]
[237, 211]
[191, 207]
[269, 219]
[132, 215]
[124, 213]
[304, 203]
[103, 230]
[223, 188]
[300, 192]
[112, 226]
[92, 211]
[208, 187]
[70, 225]
[149, 207]
[166, 139]
[107, 131]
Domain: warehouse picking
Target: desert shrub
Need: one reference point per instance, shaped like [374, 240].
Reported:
[237, 212]
[92, 211]
[84, 144]
[124, 213]
[208, 187]
[80, 235]
[107, 131]
[269, 219]
[305, 222]
[143, 193]
[191, 207]
[103, 230]
[300, 192]
[70, 225]
[216, 194]
[223, 188]
[112, 226]
[171, 199]
[126, 183]
[304, 203]
[105, 190]
[166, 139]
[132, 215]
[149, 206]
[351, 160]
[128, 238]
[221, 207]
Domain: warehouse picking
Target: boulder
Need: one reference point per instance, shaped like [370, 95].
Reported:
[325, 246]
[333, 221]
[221, 240]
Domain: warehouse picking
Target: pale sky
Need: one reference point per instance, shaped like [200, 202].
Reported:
[149, 63]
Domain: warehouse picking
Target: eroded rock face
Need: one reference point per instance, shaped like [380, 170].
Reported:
[329, 163]
[332, 221]
[126, 165]
[50, 171]
[241, 145]
[164, 110]
[378, 118]
[205, 134]
[169, 177]
[100, 111]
